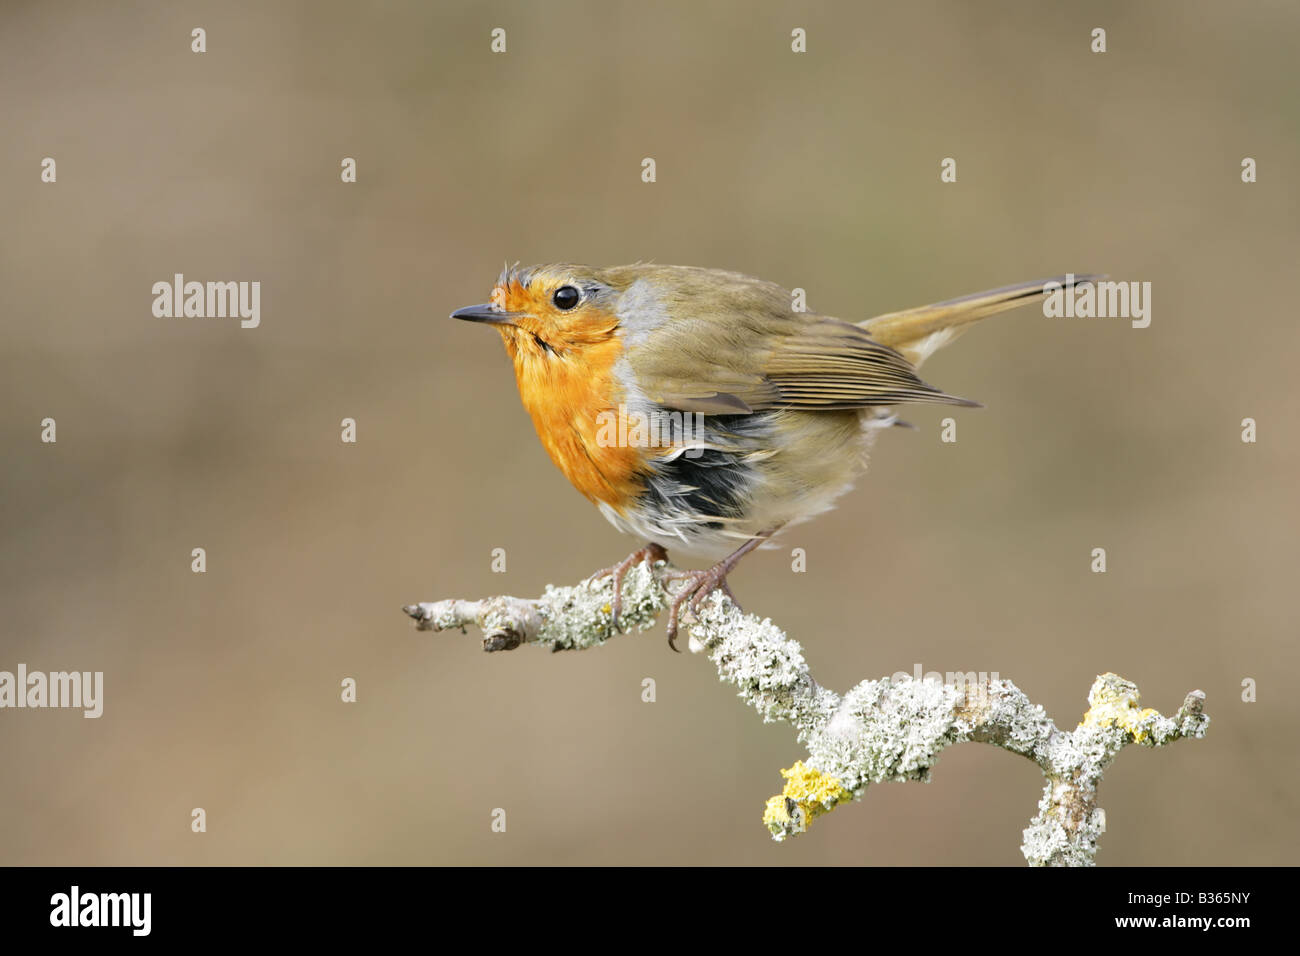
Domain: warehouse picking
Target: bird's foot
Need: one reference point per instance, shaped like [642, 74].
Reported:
[699, 585]
[651, 554]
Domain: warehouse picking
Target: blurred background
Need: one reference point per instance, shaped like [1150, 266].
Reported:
[818, 170]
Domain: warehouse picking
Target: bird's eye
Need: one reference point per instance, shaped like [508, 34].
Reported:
[565, 298]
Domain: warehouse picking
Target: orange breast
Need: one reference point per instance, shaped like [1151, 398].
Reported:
[566, 395]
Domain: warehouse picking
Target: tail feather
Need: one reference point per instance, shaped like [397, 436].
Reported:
[920, 332]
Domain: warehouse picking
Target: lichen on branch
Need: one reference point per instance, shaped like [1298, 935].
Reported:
[878, 731]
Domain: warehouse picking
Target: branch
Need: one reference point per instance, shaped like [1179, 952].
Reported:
[880, 730]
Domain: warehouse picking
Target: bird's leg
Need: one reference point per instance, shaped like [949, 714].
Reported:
[651, 554]
[700, 584]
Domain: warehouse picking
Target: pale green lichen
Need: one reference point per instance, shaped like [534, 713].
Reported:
[886, 730]
[579, 617]
[880, 730]
[766, 666]
[1069, 823]
[1048, 841]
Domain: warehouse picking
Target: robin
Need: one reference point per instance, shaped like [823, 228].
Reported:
[700, 409]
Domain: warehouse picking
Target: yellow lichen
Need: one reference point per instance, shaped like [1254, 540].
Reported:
[808, 793]
[1114, 703]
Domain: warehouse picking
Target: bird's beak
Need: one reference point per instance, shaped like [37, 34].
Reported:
[486, 313]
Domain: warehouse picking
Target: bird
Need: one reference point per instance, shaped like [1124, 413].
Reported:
[766, 410]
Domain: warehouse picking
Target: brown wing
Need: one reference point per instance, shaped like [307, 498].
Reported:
[831, 364]
[745, 364]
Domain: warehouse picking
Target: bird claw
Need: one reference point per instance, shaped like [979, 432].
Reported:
[699, 585]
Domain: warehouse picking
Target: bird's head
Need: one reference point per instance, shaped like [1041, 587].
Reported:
[545, 312]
